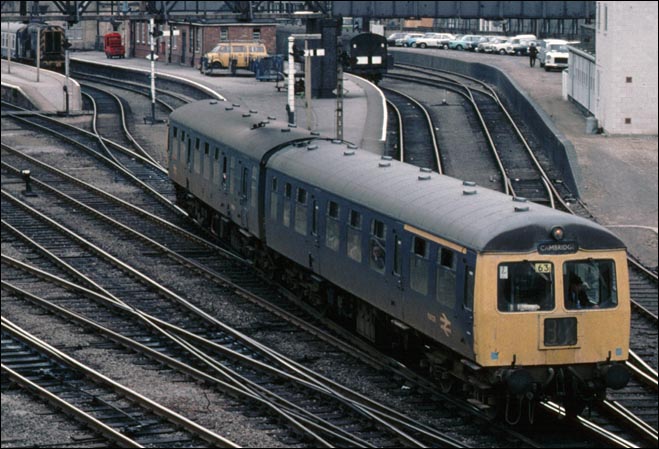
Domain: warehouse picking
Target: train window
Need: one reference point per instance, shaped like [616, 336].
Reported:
[217, 153]
[196, 143]
[274, 200]
[188, 159]
[206, 148]
[397, 256]
[378, 246]
[175, 132]
[332, 233]
[590, 284]
[419, 266]
[525, 286]
[182, 135]
[445, 293]
[354, 236]
[314, 218]
[288, 192]
[244, 180]
[206, 161]
[252, 193]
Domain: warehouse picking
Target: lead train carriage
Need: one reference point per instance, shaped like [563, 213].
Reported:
[467, 281]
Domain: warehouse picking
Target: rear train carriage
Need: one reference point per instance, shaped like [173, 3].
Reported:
[473, 283]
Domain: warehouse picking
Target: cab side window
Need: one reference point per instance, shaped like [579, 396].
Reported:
[288, 192]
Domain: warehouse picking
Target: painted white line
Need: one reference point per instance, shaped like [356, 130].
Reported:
[649, 228]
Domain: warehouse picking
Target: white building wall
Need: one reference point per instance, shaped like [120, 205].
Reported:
[626, 57]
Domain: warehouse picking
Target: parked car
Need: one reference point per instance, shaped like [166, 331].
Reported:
[391, 40]
[484, 42]
[439, 40]
[554, 54]
[499, 46]
[466, 42]
[519, 46]
[408, 39]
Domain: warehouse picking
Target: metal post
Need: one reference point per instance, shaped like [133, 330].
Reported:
[10, 37]
[339, 94]
[38, 52]
[307, 83]
[291, 81]
[153, 73]
[66, 71]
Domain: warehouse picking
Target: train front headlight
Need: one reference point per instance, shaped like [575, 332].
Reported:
[558, 233]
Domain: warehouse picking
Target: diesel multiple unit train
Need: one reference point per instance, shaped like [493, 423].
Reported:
[23, 40]
[519, 301]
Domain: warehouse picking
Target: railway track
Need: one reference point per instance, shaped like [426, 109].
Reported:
[94, 400]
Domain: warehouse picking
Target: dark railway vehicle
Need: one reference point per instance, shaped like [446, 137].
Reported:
[465, 282]
[366, 56]
[113, 45]
[21, 40]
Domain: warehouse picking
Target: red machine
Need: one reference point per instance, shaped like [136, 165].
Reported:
[114, 46]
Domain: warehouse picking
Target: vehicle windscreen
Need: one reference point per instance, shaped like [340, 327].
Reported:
[558, 47]
[525, 286]
[590, 284]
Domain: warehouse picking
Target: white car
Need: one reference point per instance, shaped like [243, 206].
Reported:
[439, 40]
[553, 54]
[499, 46]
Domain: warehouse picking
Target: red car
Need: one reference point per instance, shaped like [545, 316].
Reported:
[113, 45]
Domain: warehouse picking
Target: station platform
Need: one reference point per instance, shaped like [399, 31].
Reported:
[48, 94]
[616, 174]
[364, 109]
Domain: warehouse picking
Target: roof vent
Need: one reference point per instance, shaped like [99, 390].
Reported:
[521, 208]
[352, 146]
[253, 111]
[213, 102]
[386, 158]
[312, 147]
[383, 164]
[229, 108]
[469, 192]
[424, 177]
[469, 183]
[337, 141]
[246, 114]
[286, 130]
[272, 117]
[349, 153]
[315, 133]
[425, 170]
[235, 105]
[519, 199]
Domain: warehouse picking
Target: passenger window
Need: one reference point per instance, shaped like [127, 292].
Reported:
[252, 193]
[188, 157]
[206, 161]
[232, 175]
[244, 181]
[445, 293]
[398, 244]
[419, 266]
[314, 218]
[378, 246]
[175, 132]
[301, 212]
[332, 234]
[274, 200]
[288, 191]
[354, 238]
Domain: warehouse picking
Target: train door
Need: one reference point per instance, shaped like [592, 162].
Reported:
[315, 231]
[394, 276]
[463, 330]
[244, 192]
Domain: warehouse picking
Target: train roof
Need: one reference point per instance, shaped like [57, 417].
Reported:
[252, 133]
[486, 220]
[11, 27]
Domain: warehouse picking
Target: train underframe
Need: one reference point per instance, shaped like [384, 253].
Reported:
[510, 393]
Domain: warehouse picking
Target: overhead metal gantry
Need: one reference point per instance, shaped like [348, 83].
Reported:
[74, 11]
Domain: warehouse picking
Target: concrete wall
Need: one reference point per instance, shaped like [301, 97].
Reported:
[553, 143]
[626, 55]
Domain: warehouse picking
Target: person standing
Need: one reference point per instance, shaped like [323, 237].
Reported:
[533, 53]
